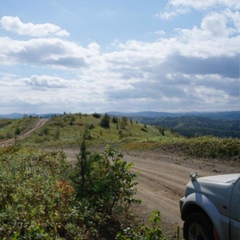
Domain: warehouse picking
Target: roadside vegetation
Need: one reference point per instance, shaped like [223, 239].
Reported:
[42, 196]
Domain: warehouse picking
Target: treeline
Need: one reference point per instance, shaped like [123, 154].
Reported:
[192, 126]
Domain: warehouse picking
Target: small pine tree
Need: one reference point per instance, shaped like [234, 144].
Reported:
[17, 131]
[105, 122]
[120, 133]
[123, 122]
[57, 134]
[115, 119]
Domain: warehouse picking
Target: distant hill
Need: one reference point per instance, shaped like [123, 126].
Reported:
[21, 115]
[191, 124]
[232, 115]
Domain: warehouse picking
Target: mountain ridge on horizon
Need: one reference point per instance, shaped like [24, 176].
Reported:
[231, 115]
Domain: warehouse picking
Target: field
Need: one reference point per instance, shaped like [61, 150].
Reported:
[162, 160]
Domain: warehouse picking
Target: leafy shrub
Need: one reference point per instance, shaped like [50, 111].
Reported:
[151, 232]
[96, 115]
[35, 199]
[214, 147]
[90, 126]
[144, 129]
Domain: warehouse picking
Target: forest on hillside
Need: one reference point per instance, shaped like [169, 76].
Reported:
[194, 126]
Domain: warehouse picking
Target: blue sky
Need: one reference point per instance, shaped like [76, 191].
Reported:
[129, 55]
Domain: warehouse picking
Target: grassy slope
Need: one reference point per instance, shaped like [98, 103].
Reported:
[65, 130]
[8, 127]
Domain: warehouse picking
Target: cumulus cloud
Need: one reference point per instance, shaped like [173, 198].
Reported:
[197, 65]
[215, 24]
[45, 51]
[14, 24]
[44, 82]
[215, 37]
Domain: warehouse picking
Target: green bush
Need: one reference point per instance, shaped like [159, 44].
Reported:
[35, 198]
[151, 232]
[214, 147]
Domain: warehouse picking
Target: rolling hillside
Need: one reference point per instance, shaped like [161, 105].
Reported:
[193, 126]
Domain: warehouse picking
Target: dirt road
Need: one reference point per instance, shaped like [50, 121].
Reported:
[162, 179]
[38, 124]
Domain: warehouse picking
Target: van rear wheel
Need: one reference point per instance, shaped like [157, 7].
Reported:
[198, 226]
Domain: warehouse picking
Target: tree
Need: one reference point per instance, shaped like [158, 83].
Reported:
[115, 119]
[57, 134]
[96, 115]
[105, 122]
[17, 131]
[123, 122]
[82, 167]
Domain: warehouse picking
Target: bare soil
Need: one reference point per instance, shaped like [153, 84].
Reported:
[162, 177]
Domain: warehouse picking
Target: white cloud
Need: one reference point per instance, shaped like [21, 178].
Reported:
[234, 18]
[199, 4]
[215, 25]
[170, 14]
[215, 37]
[160, 32]
[179, 7]
[44, 82]
[197, 65]
[14, 24]
[53, 52]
